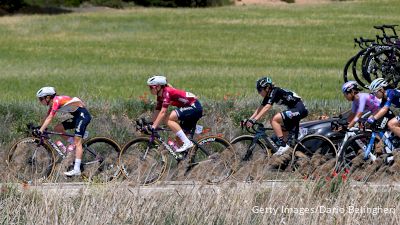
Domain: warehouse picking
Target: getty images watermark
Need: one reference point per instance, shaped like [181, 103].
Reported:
[324, 210]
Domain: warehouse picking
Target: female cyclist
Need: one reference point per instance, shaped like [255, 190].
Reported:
[378, 87]
[185, 116]
[360, 102]
[288, 118]
[81, 118]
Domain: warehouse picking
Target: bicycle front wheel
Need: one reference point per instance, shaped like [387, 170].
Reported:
[212, 160]
[253, 156]
[314, 155]
[100, 159]
[30, 162]
[142, 162]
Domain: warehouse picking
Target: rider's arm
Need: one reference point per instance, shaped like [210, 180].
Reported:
[354, 119]
[380, 113]
[154, 115]
[160, 117]
[46, 122]
[256, 112]
[262, 111]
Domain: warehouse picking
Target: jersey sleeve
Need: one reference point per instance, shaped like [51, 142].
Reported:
[56, 105]
[271, 98]
[361, 104]
[390, 96]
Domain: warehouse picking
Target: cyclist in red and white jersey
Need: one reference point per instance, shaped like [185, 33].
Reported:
[81, 118]
[183, 118]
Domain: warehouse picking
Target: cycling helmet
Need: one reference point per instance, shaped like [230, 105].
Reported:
[263, 83]
[349, 86]
[45, 91]
[377, 84]
[157, 80]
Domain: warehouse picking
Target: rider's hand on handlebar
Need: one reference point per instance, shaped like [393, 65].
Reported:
[249, 122]
[36, 132]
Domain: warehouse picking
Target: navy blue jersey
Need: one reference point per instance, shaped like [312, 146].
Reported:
[392, 97]
[281, 97]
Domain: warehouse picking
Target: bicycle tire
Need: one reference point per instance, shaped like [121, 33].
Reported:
[142, 162]
[30, 162]
[353, 148]
[212, 160]
[314, 155]
[385, 59]
[253, 158]
[100, 159]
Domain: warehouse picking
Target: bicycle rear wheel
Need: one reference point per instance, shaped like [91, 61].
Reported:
[212, 160]
[253, 158]
[314, 155]
[142, 162]
[100, 159]
[30, 162]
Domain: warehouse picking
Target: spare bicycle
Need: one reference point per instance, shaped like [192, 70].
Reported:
[34, 159]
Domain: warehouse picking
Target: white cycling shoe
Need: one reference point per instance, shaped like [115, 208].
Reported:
[184, 147]
[282, 150]
[73, 173]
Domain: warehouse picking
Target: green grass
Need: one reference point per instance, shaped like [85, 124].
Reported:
[211, 52]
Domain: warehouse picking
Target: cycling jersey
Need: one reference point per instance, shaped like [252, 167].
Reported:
[281, 97]
[392, 97]
[365, 102]
[175, 97]
[64, 104]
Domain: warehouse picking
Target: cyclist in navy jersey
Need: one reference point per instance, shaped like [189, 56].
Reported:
[288, 118]
[389, 97]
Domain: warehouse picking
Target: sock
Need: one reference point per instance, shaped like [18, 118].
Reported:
[77, 165]
[181, 135]
[71, 140]
[281, 142]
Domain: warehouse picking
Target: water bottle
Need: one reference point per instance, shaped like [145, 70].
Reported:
[61, 146]
[172, 144]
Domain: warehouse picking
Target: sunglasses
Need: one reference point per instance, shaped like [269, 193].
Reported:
[42, 98]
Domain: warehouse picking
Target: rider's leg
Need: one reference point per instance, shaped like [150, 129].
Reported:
[173, 123]
[394, 126]
[276, 123]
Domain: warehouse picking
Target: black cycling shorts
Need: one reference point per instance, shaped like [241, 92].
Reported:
[188, 116]
[292, 116]
[79, 122]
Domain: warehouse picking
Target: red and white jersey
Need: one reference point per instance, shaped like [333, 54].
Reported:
[175, 97]
[64, 104]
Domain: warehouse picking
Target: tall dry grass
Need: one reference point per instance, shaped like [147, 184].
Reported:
[304, 203]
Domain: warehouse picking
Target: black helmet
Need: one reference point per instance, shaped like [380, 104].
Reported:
[263, 83]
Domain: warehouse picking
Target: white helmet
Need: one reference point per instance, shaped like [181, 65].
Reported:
[377, 84]
[45, 91]
[157, 80]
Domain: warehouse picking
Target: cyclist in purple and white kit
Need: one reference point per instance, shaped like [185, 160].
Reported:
[361, 102]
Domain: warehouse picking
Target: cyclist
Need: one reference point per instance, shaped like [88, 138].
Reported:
[360, 102]
[185, 116]
[378, 87]
[81, 118]
[288, 118]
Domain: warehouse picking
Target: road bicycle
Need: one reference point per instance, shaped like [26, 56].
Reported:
[366, 147]
[255, 149]
[34, 159]
[144, 160]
